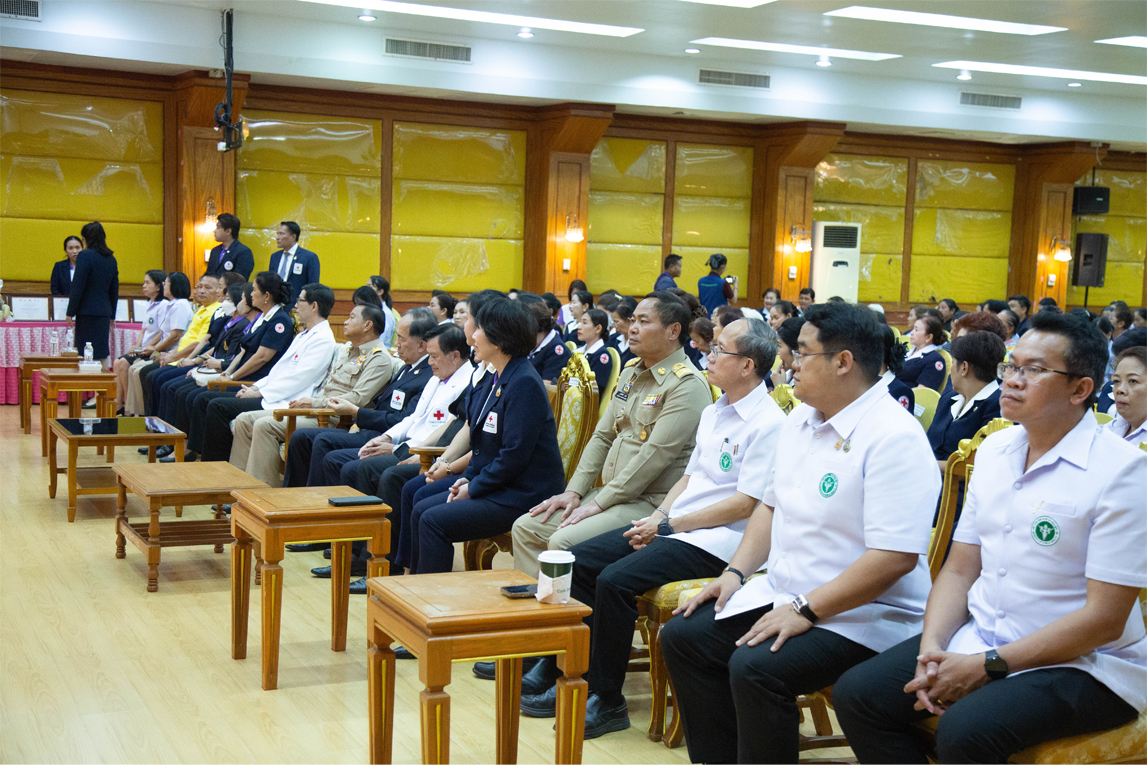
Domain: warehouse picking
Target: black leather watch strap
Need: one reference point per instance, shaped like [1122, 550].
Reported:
[740, 575]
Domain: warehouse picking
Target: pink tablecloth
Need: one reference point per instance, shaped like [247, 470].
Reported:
[33, 337]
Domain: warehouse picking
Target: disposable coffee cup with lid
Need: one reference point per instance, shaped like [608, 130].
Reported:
[555, 563]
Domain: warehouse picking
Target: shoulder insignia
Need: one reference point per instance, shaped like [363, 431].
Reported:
[632, 362]
[376, 349]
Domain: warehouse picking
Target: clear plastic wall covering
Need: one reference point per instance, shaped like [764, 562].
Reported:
[862, 180]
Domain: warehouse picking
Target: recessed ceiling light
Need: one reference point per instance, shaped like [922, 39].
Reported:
[1134, 41]
[733, 3]
[863, 55]
[942, 20]
[692, 50]
[484, 17]
[525, 33]
[1040, 71]
[1075, 84]
[964, 75]
[365, 17]
[823, 61]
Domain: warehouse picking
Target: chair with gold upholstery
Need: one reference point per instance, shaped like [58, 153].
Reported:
[783, 395]
[926, 402]
[611, 385]
[1103, 418]
[947, 367]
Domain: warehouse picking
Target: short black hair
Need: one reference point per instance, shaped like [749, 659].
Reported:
[70, 238]
[230, 277]
[446, 302]
[229, 222]
[847, 327]
[575, 286]
[671, 260]
[1022, 300]
[292, 227]
[1048, 301]
[585, 297]
[422, 320]
[451, 338]
[608, 301]
[552, 303]
[1124, 316]
[1132, 337]
[1103, 325]
[481, 298]
[895, 352]
[1086, 354]
[771, 289]
[235, 292]
[809, 291]
[785, 307]
[934, 327]
[995, 306]
[508, 325]
[727, 314]
[624, 310]
[158, 277]
[321, 295]
[630, 301]
[248, 292]
[789, 331]
[952, 305]
[671, 309]
[1010, 316]
[373, 315]
[365, 295]
[599, 318]
[543, 319]
[982, 350]
[180, 285]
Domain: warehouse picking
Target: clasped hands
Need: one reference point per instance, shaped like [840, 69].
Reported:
[943, 678]
[569, 503]
[376, 447]
[643, 531]
[783, 622]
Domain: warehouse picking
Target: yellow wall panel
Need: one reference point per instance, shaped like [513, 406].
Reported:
[47, 187]
[59, 125]
[306, 143]
[263, 198]
[693, 267]
[363, 203]
[1126, 237]
[854, 179]
[880, 277]
[966, 233]
[964, 185]
[32, 245]
[626, 217]
[1128, 190]
[964, 279]
[1122, 281]
[882, 228]
[628, 164]
[713, 171]
[710, 222]
[631, 269]
[424, 263]
[433, 208]
[460, 154]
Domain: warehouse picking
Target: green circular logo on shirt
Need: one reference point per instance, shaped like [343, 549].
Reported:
[726, 462]
[828, 485]
[1045, 531]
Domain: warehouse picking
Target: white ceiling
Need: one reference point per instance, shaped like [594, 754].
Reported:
[298, 43]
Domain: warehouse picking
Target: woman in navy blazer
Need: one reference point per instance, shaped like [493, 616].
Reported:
[924, 367]
[94, 292]
[975, 397]
[62, 271]
[515, 460]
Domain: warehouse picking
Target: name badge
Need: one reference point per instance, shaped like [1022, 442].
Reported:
[397, 399]
[297, 268]
[491, 425]
[228, 266]
[623, 392]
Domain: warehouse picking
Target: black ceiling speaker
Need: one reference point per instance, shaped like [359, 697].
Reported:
[1090, 262]
[1091, 200]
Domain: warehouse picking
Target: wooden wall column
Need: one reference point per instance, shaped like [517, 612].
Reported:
[557, 186]
[1041, 212]
[202, 171]
[783, 163]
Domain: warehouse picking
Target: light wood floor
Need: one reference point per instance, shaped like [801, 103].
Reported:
[95, 669]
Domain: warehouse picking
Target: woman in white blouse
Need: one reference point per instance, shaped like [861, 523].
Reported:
[172, 324]
[149, 333]
[1127, 388]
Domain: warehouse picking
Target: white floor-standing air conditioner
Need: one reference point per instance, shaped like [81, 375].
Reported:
[835, 260]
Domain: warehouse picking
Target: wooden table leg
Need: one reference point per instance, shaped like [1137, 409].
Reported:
[435, 706]
[73, 453]
[219, 516]
[153, 548]
[572, 692]
[106, 407]
[151, 454]
[53, 470]
[240, 594]
[340, 593]
[24, 393]
[379, 546]
[272, 614]
[47, 412]
[509, 694]
[120, 519]
[75, 404]
[380, 677]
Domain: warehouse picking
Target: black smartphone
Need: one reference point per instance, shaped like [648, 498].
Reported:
[520, 591]
[369, 499]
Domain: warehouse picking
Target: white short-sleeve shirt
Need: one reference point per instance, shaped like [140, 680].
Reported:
[1079, 513]
[1123, 429]
[863, 480]
[178, 317]
[734, 453]
[153, 321]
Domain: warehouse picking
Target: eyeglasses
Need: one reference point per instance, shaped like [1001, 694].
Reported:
[797, 355]
[1027, 371]
[715, 351]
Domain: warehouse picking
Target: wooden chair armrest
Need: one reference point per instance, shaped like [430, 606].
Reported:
[281, 414]
[218, 384]
[426, 455]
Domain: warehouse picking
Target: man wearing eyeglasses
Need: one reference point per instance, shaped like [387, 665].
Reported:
[844, 527]
[1032, 630]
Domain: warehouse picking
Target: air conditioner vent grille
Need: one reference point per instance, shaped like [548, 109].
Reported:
[734, 79]
[990, 100]
[29, 10]
[426, 50]
[840, 237]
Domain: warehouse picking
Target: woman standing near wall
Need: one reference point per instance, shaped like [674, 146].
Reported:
[94, 292]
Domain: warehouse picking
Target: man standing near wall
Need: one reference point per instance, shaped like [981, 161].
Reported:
[293, 264]
[667, 280]
[230, 255]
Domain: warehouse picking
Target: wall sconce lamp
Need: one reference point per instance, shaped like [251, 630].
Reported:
[573, 230]
[1061, 248]
[802, 239]
[210, 218]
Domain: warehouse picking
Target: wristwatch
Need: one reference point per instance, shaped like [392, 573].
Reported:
[740, 575]
[800, 605]
[664, 529]
[995, 665]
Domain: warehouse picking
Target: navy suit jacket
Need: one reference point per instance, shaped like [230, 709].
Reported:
[922, 370]
[382, 414]
[945, 433]
[514, 440]
[239, 256]
[95, 286]
[62, 278]
[902, 393]
[308, 273]
[551, 359]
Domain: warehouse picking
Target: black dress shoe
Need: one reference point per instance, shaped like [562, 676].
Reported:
[357, 568]
[308, 547]
[541, 704]
[327, 553]
[163, 451]
[358, 586]
[402, 653]
[601, 719]
[487, 670]
[143, 450]
[541, 676]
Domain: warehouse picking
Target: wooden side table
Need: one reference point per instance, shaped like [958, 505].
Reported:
[176, 484]
[443, 618]
[31, 364]
[54, 381]
[275, 517]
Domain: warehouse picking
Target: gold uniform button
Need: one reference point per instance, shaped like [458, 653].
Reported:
[660, 370]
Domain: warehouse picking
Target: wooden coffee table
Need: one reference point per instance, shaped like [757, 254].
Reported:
[462, 616]
[176, 484]
[29, 366]
[109, 432]
[54, 381]
[275, 517]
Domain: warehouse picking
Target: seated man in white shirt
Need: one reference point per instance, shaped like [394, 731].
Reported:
[299, 373]
[1032, 631]
[692, 535]
[845, 537]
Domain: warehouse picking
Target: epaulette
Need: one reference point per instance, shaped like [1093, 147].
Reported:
[631, 362]
[376, 349]
[681, 369]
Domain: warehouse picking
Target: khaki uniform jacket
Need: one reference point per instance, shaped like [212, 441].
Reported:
[357, 374]
[643, 441]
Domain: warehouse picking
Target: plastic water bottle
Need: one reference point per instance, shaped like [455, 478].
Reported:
[89, 352]
[54, 343]
[70, 340]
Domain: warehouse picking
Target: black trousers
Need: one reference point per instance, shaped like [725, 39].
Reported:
[389, 489]
[414, 494]
[988, 725]
[738, 704]
[145, 374]
[163, 384]
[435, 525]
[310, 446]
[608, 575]
[217, 436]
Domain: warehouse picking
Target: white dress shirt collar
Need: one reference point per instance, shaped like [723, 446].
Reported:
[918, 352]
[1122, 428]
[960, 408]
[553, 333]
[845, 421]
[587, 350]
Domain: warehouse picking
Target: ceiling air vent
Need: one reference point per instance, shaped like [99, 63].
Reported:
[734, 79]
[841, 237]
[459, 54]
[28, 10]
[990, 100]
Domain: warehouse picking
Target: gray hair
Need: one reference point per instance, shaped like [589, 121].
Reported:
[758, 343]
[422, 320]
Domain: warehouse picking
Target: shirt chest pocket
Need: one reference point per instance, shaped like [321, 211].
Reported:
[1055, 539]
[645, 414]
[839, 480]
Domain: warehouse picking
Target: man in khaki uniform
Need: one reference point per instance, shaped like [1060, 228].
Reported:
[641, 445]
[361, 368]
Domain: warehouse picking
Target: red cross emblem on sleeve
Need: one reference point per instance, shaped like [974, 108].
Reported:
[438, 415]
